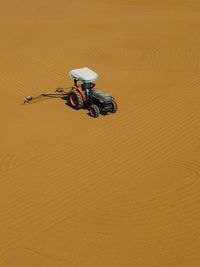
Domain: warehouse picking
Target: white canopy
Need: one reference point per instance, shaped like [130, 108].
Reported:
[84, 74]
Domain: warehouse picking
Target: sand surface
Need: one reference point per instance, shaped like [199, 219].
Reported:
[121, 190]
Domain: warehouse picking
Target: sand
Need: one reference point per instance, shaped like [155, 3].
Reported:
[121, 190]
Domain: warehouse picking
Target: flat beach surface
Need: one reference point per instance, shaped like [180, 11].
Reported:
[119, 191]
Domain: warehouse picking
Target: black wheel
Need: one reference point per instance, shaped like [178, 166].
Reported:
[75, 100]
[94, 111]
[114, 106]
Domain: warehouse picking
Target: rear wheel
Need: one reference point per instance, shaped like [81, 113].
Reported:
[75, 100]
[114, 106]
[94, 111]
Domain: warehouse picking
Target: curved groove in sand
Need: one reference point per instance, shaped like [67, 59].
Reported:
[155, 59]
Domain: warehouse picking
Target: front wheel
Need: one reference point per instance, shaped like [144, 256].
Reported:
[94, 111]
[114, 106]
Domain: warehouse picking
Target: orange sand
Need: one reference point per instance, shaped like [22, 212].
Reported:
[121, 190]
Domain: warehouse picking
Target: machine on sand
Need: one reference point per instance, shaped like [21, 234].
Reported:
[83, 94]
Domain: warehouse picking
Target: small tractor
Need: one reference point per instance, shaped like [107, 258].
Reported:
[83, 94]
